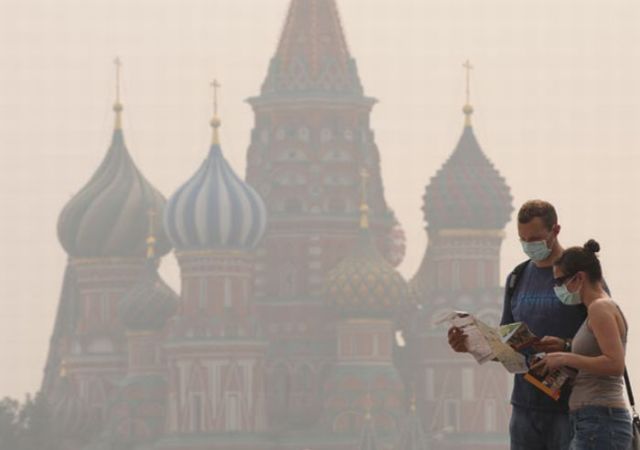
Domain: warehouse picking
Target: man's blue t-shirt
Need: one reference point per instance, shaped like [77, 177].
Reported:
[535, 303]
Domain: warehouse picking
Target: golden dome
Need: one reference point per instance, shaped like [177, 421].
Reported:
[364, 284]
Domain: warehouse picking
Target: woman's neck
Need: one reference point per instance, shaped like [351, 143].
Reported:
[592, 292]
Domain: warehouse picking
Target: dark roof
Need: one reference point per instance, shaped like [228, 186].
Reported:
[467, 191]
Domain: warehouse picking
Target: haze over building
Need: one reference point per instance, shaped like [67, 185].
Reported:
[285, 332]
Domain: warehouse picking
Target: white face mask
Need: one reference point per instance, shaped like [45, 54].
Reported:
[537, 251]
[566, 297]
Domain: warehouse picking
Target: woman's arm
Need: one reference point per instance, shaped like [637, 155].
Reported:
[603, 324]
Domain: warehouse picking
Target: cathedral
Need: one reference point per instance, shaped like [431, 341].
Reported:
[292, 329]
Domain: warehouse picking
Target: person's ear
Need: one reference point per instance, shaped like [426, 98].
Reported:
[556, 229]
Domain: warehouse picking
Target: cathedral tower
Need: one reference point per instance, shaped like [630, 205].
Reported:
[311, 137]
[366, 293]
[103, 230]
[467, 205]
[215, 355]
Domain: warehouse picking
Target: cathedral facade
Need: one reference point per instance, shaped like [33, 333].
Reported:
[292, 328]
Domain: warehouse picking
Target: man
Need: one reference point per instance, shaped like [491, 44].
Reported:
[537, 421]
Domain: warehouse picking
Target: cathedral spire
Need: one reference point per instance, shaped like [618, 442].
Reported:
[468, 109]
[117, 106]
[215, 120]
[312, 55]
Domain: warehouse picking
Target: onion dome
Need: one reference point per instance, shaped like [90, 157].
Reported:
[108, 217]
[150, 301]
[467, 191]
[364, 284]
[215, 209]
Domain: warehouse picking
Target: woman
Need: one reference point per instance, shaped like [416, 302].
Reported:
[598, 411]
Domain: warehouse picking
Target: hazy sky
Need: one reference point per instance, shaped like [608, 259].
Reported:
[555, 89]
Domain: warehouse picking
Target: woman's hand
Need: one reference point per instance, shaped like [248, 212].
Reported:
[551, 361]
[550, 344]
[556, 360]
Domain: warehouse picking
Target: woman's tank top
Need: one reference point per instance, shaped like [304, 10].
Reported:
[591, 389]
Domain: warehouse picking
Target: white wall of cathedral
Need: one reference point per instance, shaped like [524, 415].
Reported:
[460, 396]
[216, 396]
[456, 393]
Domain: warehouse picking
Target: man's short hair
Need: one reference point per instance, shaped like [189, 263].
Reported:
[538, 208]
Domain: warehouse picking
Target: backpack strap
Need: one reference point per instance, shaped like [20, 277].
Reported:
[514, 278]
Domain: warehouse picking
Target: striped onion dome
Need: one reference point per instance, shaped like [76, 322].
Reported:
[215, 209]
[109, 216]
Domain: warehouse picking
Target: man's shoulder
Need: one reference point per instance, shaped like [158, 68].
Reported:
[514, 276]
[519, 268]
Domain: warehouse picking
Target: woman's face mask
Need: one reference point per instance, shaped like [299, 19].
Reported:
[564, 295]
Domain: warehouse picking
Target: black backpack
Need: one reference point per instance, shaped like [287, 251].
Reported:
[514, 278]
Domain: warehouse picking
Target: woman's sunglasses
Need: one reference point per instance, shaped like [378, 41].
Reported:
[561, 280]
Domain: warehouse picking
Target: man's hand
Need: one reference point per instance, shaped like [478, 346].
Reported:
[457, 340]
[550, 344]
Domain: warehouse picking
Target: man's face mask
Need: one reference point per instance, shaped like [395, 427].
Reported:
[537, 250]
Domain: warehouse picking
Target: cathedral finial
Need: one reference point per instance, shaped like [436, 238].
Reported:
[468, 109]
[215, 120]
[364, 207]
[151, 238]
[117, 106]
